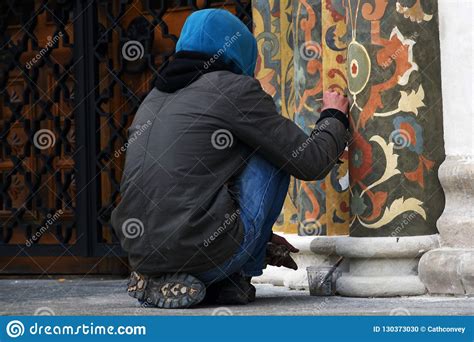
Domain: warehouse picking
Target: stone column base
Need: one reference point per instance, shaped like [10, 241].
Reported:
[448, 271]
[383, 266]
[373, 267]
[456, 225]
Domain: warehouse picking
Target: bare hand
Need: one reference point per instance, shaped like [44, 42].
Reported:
[332, 100]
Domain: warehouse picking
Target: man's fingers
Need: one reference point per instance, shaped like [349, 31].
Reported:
[280, 240]
[335, 101]
[292, 248]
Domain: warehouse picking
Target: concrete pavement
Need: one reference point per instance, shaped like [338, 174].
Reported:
[96, 296]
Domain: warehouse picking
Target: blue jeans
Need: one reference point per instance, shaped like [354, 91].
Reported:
[262, 190]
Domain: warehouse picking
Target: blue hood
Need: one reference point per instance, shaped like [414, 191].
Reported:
[221, 34]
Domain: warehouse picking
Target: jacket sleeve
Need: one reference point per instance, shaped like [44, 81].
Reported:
[256, 122]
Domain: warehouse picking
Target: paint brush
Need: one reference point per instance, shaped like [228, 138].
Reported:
[331, 271]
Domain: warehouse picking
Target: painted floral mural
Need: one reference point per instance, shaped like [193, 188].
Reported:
[393, 72]
[385, 55]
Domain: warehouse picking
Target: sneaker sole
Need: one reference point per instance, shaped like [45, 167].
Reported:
[174, 291]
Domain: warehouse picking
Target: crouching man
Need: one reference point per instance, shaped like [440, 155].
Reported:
[207, 170]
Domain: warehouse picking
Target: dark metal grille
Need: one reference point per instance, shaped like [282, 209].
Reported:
[68, 91]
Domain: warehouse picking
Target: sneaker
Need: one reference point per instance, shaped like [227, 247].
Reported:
[234, 290]
[170, 291]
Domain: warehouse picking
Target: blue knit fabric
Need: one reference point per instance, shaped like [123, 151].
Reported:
[221, 34]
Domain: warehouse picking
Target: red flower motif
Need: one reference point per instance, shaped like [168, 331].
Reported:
[361, 158]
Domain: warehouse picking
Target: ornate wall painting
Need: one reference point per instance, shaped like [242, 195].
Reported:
[274, 70]
[289, 218]
[319, 62]
[303, 28]
[334, 47]
[267, 33]
[310, 199]
[286, 60]
[387, 54]
[393, 71]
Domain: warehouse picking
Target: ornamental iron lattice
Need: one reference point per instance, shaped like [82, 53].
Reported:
[72, 75]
